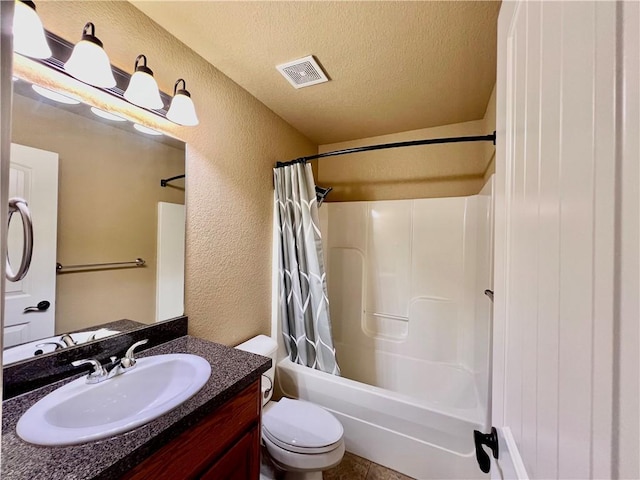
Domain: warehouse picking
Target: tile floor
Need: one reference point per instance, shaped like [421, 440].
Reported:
[353, 467]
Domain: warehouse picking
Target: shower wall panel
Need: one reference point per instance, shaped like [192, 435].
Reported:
[402, 280]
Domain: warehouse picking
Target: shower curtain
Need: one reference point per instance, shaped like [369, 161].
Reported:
[303, 303]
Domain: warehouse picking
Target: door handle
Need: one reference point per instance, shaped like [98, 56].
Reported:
[19, 205]
[491, 441]
[42, 306]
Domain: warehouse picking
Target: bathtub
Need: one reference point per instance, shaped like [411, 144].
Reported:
[389, 428]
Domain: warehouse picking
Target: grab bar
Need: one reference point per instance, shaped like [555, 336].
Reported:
[138, 262]
[19, 205]
[389, 316]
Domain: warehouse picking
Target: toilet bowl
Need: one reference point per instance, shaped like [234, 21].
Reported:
[301, 438]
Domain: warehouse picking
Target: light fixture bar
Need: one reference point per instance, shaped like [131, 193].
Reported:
[61, 51]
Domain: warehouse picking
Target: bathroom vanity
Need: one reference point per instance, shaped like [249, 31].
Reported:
[213, 435]
[225, 445]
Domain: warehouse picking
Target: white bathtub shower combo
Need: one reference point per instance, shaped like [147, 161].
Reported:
[411, 326]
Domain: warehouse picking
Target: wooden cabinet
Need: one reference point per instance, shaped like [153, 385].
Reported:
[223, 446]
[241, 462]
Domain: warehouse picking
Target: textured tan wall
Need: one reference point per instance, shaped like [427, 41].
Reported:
[411, 172]
[108, 189]
[229, 160]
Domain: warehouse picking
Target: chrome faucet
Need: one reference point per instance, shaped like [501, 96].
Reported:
[117, 367]
[68, 340]
[58, 345]
[64, 342]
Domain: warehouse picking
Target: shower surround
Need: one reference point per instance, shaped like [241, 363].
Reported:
[411, 326]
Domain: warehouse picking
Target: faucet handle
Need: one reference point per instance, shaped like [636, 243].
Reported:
[98, 370]
[68, 340]
[129, 361]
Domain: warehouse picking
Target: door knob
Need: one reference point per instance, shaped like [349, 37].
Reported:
[42, 306]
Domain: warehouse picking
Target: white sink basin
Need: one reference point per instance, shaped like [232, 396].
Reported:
[31, 349]
[79, 413]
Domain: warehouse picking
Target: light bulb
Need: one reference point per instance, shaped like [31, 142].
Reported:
[107, 115]
[143, 89]
[89, 62]
[182, 111]
[55, 96]
[28, 33]
[147, 130]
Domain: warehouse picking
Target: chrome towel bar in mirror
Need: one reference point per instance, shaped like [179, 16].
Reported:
[138, 262]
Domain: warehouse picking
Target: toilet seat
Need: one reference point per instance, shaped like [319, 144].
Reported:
[301, 427]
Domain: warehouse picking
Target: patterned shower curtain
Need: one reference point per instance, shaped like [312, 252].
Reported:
[303, 303]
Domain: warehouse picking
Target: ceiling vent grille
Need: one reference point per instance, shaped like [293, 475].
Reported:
[303, 72]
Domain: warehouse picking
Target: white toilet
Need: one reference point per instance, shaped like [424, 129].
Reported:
[302, 438]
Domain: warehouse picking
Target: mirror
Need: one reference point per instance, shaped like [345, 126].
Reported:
[93, 188]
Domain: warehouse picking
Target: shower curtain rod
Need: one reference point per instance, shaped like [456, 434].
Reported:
[413, 143]
[165, 181]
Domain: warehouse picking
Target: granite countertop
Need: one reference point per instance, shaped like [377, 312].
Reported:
[121, 325]
[231, 371]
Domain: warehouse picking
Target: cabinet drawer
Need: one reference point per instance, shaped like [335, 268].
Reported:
[189, 455]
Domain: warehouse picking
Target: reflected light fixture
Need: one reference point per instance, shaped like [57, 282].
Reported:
[28, 32]
[143, 89]
[147, 130]
[107, 115]
[89, 62]
[55, 96]
[182, 111]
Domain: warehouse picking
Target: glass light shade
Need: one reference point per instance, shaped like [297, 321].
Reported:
[55, 96]
[143, 91]
[28, 33]
[107, 115]
[147, 130]
[90, 64]
[182, 111]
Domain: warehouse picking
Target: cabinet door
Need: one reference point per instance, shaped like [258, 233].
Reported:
[241, 462]
[213, 438]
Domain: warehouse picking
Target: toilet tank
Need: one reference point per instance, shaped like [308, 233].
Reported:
[267, 347]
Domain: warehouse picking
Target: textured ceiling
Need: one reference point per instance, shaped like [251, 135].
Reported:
[394, 66]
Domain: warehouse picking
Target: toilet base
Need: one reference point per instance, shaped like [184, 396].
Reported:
[296, 462]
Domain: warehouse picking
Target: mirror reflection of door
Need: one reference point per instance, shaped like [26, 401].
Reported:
[34, 177]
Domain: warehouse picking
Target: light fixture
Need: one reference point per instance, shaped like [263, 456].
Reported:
[147, 130]
[89, 62]
[107, 115]
[143, 89]
[28, 32]
[55, 96]
[182, 111]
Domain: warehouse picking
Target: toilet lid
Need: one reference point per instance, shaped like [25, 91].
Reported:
[301, 425]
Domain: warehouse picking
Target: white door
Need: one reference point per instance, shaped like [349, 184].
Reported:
[34, 177]
[554, 317]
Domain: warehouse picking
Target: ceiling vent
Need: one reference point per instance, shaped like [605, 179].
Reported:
[303, 72]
